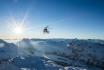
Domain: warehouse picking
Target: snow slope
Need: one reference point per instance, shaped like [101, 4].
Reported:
[7, 50]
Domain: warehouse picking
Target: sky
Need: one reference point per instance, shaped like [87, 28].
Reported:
[83, 19]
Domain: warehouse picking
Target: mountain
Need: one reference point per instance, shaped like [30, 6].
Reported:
[52, 54]
[66, 52]
[7, 50]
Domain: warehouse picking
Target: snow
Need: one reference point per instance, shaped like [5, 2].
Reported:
[2, 45]
[8, 66]
[7, 50]
[52, 54]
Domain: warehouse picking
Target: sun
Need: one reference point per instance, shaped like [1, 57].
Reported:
[18, 29]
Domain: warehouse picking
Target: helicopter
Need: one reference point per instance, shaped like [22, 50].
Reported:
[46, 30]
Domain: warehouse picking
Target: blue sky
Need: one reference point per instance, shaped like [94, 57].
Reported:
[66, 18]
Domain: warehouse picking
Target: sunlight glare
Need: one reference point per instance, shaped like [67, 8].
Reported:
[18, 29]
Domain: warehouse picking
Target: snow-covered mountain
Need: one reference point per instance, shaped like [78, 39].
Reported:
[7, 50]
[66, 51]
[43, 47]
[52, 54]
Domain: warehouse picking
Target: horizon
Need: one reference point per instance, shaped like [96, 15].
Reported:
[68, 19]
[17, 40]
